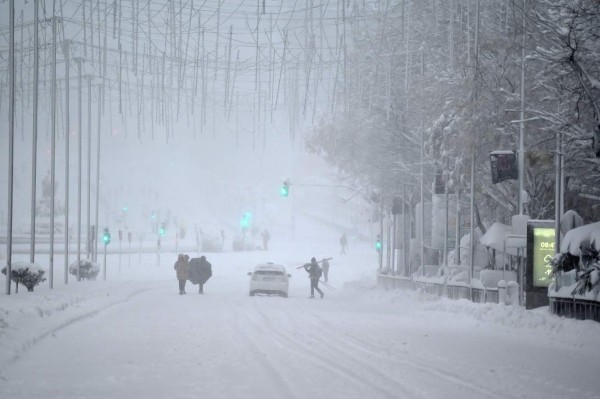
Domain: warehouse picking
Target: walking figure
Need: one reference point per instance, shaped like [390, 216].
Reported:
[325, 267]
[182, 268]
[266, 237]
[314, 273]
[344, 243]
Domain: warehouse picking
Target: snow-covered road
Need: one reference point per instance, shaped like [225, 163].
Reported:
[135, 337]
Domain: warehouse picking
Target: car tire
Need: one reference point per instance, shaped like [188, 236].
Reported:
[284, 294]
[252, 293]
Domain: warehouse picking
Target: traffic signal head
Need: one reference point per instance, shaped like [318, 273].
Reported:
[378, 244]
[106, 237]
[162, 230]
[284, 191]
[504, 166]
[246, 220]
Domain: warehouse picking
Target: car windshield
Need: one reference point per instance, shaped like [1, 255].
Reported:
[268, 273]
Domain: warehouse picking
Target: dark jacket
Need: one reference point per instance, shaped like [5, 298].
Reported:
[200, 270]
[314, 270]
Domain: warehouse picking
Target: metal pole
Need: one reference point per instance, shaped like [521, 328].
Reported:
[88, 234]
[120, 251]
[474, 147]
[394, 240]
[422, 156]
[129, 251]
[36, 72]
[381, 232]
[522, 122]
[446, 224]
[11, 142]
[557, 192]
[95, 235]
[404, 246]
[457, 243]
[79, 142]
[422, 213]
[104, 267]
[67, 126]
[52, 156]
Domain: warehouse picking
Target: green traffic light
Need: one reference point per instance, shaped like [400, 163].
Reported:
[106, 237]
[246, 220]
[284, 191]
[378, 245]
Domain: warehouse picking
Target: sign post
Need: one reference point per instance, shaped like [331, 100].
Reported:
[120, 240]
[129, 235]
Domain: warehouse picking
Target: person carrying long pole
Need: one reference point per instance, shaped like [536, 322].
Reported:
[314, 273]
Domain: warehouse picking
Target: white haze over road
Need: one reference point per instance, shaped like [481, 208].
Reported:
[134, 336]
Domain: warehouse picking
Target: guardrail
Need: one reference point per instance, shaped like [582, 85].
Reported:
[575, 308]
[564, 303]
[451, 291]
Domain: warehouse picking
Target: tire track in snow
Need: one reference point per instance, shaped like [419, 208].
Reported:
[30, 343]
[340, 368]
[355, 344]
[275, 375]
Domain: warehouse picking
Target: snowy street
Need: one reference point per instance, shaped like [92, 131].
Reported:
[446, 147]
[135, 337]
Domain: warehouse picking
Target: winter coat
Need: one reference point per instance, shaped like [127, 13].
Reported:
[182, 267]
[313, 270]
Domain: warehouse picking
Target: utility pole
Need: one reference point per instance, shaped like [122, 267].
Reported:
[67, 126]
[474, 147]
[422, 157]
[11, 142]
[89, 169]
[522, 122]
[79, 140]
[52, 156]
[100, 94]
[36, 72]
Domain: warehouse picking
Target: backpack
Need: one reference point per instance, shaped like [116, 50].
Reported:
[318, 271]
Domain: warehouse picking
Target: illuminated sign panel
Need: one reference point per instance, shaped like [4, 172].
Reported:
[543, 252]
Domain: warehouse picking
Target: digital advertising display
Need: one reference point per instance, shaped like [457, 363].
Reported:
[543, 252]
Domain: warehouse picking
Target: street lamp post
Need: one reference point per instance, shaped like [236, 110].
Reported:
[11, 145]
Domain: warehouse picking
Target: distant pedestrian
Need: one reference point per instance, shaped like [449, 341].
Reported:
[325, 267]
[344, 243]
[266, 237]
[314, 273]
[182, 269]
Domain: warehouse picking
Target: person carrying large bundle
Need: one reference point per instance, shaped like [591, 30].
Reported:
[200, 272]
[314, 273]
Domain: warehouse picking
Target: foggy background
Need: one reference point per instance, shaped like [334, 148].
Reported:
[202, 109]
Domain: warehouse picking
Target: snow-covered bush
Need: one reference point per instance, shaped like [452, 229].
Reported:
[28, 274]
[211, 244]
[579, 253]
[238, 243]
[588, 280]
[87, 269]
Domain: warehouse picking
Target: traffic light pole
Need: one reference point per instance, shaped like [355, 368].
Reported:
[67, 128]
[104, 267]
[158, 252]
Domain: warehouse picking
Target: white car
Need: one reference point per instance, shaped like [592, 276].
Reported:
[270, 279]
